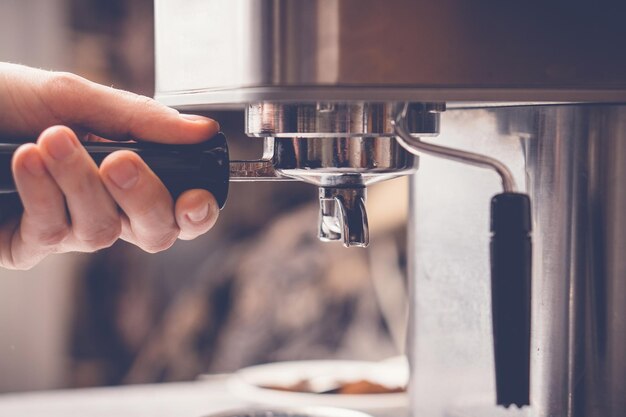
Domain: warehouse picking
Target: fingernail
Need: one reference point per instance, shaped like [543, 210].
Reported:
[33, 164]
[197, 118]
[62, 146]
[194, 117]
[198, 215]
[124, 174]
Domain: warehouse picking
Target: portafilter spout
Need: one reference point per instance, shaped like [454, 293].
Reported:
[343, 216]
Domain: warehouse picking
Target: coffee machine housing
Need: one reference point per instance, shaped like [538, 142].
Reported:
[537, 86]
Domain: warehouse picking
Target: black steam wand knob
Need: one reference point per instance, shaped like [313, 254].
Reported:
[511, 260]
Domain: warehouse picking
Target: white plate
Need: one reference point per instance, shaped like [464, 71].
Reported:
[247, 384]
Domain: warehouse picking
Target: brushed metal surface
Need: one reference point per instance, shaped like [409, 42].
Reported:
[340, 161]
[216, 53]
[578, 181]
[221, 52]
[333, 119]
[571, 160]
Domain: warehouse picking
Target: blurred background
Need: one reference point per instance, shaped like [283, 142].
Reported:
[258, 288]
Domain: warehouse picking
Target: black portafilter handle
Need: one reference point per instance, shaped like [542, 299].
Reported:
[179, 167]
[511, 260]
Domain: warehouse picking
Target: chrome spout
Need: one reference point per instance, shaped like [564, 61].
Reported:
[343, 216]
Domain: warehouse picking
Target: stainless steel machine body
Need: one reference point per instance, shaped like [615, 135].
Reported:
[213, 53]
[318, 78]
[570, 159]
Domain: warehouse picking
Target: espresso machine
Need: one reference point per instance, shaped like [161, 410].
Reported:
[346, 93]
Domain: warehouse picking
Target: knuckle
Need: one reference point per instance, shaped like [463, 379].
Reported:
[142, 101]
[137, 111]
[100, 235]
[61, 92]
[60, 83]
[53, 236]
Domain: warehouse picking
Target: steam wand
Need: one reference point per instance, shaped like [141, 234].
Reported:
[510, 266]
[416, 146]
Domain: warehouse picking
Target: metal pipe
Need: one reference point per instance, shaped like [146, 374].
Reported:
[416, 146]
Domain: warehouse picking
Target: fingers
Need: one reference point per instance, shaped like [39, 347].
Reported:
[143, 198]
[117, 114]
[44, 224]
[153, 221]
[94, 216]
[70, 205]
[196, 213]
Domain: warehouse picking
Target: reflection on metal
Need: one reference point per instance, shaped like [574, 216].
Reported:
[343, 161]
[343, 216]
[571, 160]
[334, 119]
[577, 176]
[260, 170]
[415, 145]
[235, 52]
[341, 148]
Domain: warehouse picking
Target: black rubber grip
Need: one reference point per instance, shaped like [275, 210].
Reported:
[180, 167]
[511, 260]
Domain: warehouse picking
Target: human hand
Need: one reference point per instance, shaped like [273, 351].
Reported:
[69, 203]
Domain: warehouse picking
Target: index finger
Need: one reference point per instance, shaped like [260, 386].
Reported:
[121, 115]
[53, 98]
